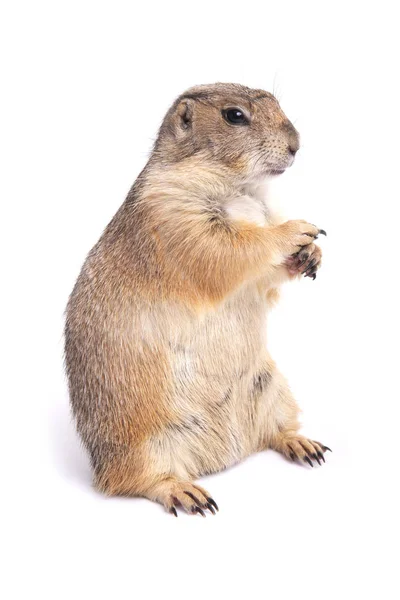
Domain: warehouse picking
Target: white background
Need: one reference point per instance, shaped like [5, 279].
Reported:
[84, 88]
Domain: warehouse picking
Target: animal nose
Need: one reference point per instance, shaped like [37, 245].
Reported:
[293, 138]
[294, 143]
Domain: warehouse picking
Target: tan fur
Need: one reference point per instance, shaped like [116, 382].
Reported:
[166, 355]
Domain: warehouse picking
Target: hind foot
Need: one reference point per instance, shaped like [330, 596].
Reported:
[303, 449]
[192, 498]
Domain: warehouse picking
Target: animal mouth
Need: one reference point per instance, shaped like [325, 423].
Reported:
[277, 171]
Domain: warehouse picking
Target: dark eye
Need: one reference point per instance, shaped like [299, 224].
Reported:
[235, 116]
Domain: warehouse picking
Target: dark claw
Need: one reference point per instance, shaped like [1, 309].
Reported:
[306, 459]
[306, 451]
[215, 505]
[193, 497]
[172, 510]
[311, 272]
[292, 453]
[210, 508]
[304, 260]
[321, 455]
[324, 448]
[322, 231]
[198, 510]
[310, 266]
[315, 457]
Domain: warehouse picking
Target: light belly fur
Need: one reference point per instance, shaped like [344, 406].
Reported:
[215, 361]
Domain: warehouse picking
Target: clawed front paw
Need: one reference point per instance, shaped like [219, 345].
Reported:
[305, 262]
[295, 235]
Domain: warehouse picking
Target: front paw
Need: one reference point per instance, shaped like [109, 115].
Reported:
[305, 262]
[295, 235]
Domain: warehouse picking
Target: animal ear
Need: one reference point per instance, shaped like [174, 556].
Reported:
[184, 112]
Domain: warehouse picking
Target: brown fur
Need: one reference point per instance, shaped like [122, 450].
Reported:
[168, 370]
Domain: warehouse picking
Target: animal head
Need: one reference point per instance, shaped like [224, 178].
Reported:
[241, 128]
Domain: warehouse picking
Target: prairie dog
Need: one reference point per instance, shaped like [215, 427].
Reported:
[169, 374]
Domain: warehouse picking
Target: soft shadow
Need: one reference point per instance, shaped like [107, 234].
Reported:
[70, 458]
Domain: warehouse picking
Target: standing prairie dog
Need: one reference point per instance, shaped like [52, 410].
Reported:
[169, 375]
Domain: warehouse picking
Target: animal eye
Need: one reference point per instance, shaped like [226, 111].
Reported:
[235, 116]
